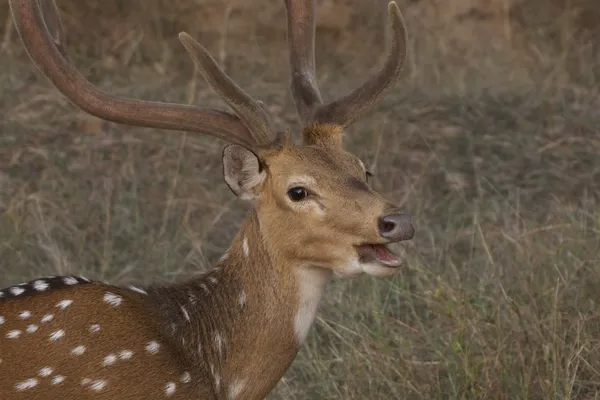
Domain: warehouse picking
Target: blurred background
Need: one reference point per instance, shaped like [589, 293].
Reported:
[491, 142]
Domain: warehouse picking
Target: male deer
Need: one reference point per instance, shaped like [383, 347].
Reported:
[232, 333]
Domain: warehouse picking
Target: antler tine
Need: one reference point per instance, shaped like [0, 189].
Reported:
[346, 110]
[42, 33]
[250, 111]
[301, 41]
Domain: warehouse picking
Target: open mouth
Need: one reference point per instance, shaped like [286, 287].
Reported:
[378, 253]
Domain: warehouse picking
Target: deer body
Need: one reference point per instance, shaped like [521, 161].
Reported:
[233, 332]
[212, 337]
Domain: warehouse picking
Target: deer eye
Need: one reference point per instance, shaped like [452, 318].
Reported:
[297, 193]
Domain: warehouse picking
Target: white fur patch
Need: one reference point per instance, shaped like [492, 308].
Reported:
[355, 268]
[303, 180]
[378, 270]
[245, 246]
[236, 388]
[311, 283]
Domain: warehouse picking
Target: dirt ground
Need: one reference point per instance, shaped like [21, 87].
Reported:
[491, 143]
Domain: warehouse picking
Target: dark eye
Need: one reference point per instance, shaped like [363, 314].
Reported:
[297, 193]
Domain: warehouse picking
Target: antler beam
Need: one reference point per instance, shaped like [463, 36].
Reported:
[251, 128]
[301, 42]
[343, 111]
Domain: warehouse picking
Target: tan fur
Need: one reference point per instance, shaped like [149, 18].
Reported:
[327, 135]
[233, 332]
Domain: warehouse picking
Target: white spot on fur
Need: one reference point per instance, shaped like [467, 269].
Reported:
[56, 335]
[16, 290]
[57, 379]
[15, 333]
[137, 289]
[26, 384]
[24, 314]
[216, 376]
[78, 350]
[223, 258]
[236, 388]
[218, 342]
[213, 280]
[203, 286]
[170, 388]
[64, 304]
[94, 328]
[32, 328]
[245, 246]
[109, 360]
[311, 283]
[40, 285]
[46, 371]
[185, 378]
[98, 385]
[125, 354]
[1, 294]
[186, 315]
[47, 318]
[2, 320]
[85, 381]
[69, 280]
[242, 298]
[112, 299]
[152, 347]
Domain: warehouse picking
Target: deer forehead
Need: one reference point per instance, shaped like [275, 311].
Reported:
[313, 165]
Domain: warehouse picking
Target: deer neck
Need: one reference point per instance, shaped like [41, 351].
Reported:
[245, 320]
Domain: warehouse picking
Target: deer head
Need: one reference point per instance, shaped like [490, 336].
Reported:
[313, 201]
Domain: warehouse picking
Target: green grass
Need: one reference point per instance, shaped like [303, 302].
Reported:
[501, 173]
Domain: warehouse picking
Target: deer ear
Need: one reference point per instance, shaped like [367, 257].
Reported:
[242, 171]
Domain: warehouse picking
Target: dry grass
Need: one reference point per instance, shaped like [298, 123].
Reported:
[491, 143]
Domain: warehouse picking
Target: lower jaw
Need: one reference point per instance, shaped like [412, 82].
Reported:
[377, 269]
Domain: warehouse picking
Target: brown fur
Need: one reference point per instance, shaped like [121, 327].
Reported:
[257, 341]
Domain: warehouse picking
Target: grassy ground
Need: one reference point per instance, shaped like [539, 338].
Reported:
[491, 144]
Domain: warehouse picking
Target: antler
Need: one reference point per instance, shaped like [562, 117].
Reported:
[39, 25]
[344, 111]
[301, 41]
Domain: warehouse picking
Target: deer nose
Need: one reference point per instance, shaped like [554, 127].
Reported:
[396, 227]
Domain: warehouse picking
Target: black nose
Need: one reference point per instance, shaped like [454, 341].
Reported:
[396, 227]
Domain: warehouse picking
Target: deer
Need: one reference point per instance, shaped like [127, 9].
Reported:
[232, 332]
